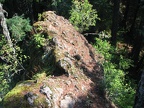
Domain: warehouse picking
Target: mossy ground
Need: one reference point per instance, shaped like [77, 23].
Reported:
[16, 96]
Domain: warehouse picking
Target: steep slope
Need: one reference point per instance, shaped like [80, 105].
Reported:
[77, 76]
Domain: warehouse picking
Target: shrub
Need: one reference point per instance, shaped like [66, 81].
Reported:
[114, 66]
[11, 64]
[39, 40]
[82, 16]
[18, 26]
[8, 66]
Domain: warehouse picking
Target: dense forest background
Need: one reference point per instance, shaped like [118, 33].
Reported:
[114, 27]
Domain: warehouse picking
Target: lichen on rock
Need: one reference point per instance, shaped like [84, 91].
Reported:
[67, 102]
[48, 93]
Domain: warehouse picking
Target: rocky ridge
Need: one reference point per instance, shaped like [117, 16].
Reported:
[76, 79]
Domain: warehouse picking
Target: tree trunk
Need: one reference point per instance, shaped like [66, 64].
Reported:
[139, 99]
[115, 21]
[123, 24]
[135, 16]
[138, 43]
[137, 48]
[5, 28]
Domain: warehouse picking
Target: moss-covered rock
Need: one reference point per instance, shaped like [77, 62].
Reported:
[26, 95]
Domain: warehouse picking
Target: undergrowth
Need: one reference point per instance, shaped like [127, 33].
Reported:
[115, 64]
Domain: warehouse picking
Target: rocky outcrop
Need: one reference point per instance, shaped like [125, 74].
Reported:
[76, 78]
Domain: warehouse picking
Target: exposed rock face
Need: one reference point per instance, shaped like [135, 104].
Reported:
[77, 75]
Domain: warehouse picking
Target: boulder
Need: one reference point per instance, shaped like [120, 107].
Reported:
[76, 78]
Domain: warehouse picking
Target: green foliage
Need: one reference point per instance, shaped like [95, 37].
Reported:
[115, 65]
[2, 1]
[4, 83]
[39, 40]
[7, 69]
[37, 0]
[104, 35]
[39, 17]
[62, 7]
[82, 15]
[18, 26]
[10, 67]
[11, 64]
[104, 11]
